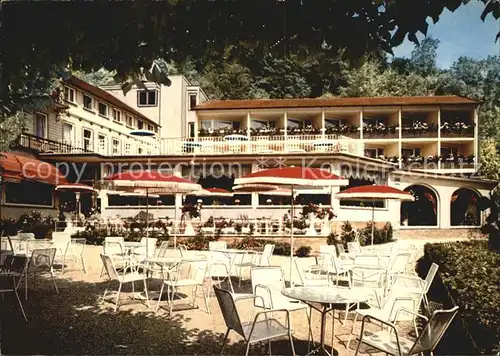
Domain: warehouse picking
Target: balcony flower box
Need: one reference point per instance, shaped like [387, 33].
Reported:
[457, 129]
[420, 129]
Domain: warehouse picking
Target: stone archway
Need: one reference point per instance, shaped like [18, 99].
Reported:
[424, 210]
[464, 209]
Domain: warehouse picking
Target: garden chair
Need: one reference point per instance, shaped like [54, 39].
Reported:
[405, 291]
[312, 277]
[390, 341]
[248, 259]
[399, 264]
[267, 283]
[75, 251]
[146, 250]
[8, 285]
[354, 247]
[188, 273]
[113, 247]
[217, 245]
[219, 269]
[41, 260]
[122, 278]
[260, 329]
[265, 257]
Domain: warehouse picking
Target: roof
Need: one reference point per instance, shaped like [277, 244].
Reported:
[104, 95]
[333, 102]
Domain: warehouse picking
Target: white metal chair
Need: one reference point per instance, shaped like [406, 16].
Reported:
[74, 251]
[268, 282]
[431, 274]
[188, 273]
[405, 291]
[311, 277]
[113, 247]
[260, 329]
[265, 257]
[390, 341]
[354, 247]
[122, 278]
[248, 259]
[217, 245]
[147, 249]
[8, 285]
[41, 260]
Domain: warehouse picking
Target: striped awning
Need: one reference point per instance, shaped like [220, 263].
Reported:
[16, 167]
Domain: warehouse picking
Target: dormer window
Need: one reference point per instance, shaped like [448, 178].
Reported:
[87, 102]
[117, 115]
[193, 100]
[147, 98]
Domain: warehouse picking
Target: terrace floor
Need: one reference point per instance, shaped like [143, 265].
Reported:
[76, 321]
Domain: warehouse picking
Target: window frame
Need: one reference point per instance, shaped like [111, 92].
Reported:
[45, 125]
[4, 199]
[99, 109]
[72, 131]
[127, 117]
[91, 108]
[68, 90]
[91, 138]
[116, 111]
[118, 148]
[142, 124]
[147, 102]
[190, 103]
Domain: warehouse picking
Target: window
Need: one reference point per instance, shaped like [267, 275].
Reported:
[139, 150]
[103, 109]
[41, 125]
[117, 115]
[130, 120]
[116, 146]
[88, 102]
[140, 124]
[28, 193]
[127, 148]
[449, 151]
[374, 152]
[87, 140]
[67, 132]
[101, 141]
[150, 128]
[190, 129]
[407, 152]
[69, 94]
[193, 100]
[146, 97]
[262, 124]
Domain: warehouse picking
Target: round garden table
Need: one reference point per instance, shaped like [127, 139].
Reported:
[328, 298]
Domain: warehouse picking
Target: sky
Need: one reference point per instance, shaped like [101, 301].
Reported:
[462, 33]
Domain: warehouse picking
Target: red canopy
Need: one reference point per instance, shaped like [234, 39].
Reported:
[371, 192]
[16, 167]
[211, 192]
[301, 176]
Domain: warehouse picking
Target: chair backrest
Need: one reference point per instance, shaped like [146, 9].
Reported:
[430, 276]
[271, 277]
[77, 246]
[109, 267]
[266, 254]
[369, 277]
[113, 245]
[229, 311]
[114, 239]
[404, 286]
[300, 271]
[148, 248]
[162, 250]
[371, 260]
[61, 239]
[340, 249]
[217, 245]
[354, 246]
[182, 249]
[193, 268]
[330, 249]
[42, 259]
[434, 330]
[399, 263]
[26, 235]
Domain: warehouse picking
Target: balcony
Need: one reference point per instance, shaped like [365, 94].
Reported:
[244, 145]
[420, 129]
[45, 145]
[457, 129]
[380, 131]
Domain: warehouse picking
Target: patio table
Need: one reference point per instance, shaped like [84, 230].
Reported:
[328, 298]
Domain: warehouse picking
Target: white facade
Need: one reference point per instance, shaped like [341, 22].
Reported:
[171, 108]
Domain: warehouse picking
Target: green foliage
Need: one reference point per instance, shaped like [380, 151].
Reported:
[490, 160]
[380, 236]
[34, 222]
[200, 241]
[303, 251]
[471, 274]
[492, 225]
[332, 239]
[347, 233]
[8, 227]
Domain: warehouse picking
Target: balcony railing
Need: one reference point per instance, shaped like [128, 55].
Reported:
[45, 145]
[260, 145]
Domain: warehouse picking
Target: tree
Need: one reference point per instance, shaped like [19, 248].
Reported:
[98, 78]
[490, 160]
[423, 57]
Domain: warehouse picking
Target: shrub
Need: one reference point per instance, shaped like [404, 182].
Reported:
[34, 222]
[332, 239]
[303, 251]
[492, 225]
[200, 241]
[380, 236]
[347, 233]
[8, 227]
[470, 273]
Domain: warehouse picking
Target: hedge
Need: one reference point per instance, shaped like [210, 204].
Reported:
[470, 273]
